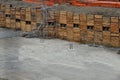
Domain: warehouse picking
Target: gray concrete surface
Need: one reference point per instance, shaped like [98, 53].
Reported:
[105, 11]
[43, 59]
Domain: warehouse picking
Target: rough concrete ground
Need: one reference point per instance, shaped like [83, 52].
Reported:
[52, 59]
[7, 33]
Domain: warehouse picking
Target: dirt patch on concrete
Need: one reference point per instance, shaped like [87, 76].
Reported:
[7, 33]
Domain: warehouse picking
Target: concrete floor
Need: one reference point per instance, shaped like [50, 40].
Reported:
[43, 59]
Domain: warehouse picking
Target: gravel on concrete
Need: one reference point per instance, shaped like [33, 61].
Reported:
[105, 11]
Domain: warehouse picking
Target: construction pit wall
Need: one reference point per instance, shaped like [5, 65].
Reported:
[21, 18]
[83, 28]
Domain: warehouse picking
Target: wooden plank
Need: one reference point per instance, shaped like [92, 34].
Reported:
[90, 20]
[70, 34]
[98, 37]
[2, 23]
[106, 38]
[98, 16]
[63, 17]
[51, 14]
[13, 24]
[56, 31]
[106, 21]
[114, 28]
[28, 14]
[39, 16]
[76, 19]
[8, 5]
[76, 37]
[3, 7]
[119, 22]
[33, 15]
[23, 26]
[83, 36]
[114, 19]
[34, 25]
[50, 32]
[23, 14]
[115, 41]
[65, 34]
[83, 18]
[18, 25]
[98, 27]
[90, 36]
[7, 22]
[18, 9]
[69, 19]
[115, 34]
[2, 19]
[60, 33]
[7, 11]
[13, 13]
[57, 16]
[76, 30]
[28, 26]
[83, 27]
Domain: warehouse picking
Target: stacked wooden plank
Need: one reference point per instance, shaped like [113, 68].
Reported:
[98, 29]
[18, 17]
[62, 24]
[51, 15]
[114, 25]
[13, 18]
[33, 19]
[90, 36]
[63, 17]
[57, 21]
[2, 7]
[39, 15]
[76, 27]
[7, 15]
[106, 31]
[83, 22]
[56, 16]
[114, 32]
[51, 24]
[83, 28]
[23, 16]
[115, 40]
[90, 29]
[119, 31]
[98, 22]
[98, 37]
[28, 20]
[90, 20]
[2, 19]
[70, 26]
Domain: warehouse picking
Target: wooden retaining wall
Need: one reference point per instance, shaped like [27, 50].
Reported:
[83, 28]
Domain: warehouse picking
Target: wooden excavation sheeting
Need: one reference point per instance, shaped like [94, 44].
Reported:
[13, 18]
[23, 17]
[7, 16]
[76, 27]
[2, 19]
[83, 28]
